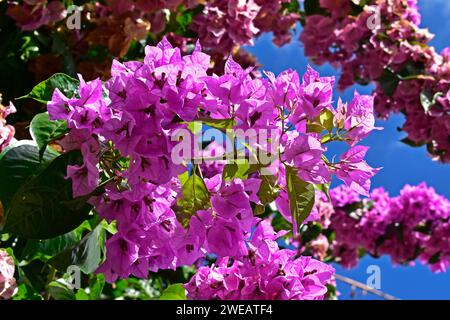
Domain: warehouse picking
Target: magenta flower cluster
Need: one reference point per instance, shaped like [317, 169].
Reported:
[413, 225]
[380, 42]
[33, 14]
[264, 273]
[8, 285]
[220, 26]
[6, 131]
[223, 24]
[133, 117]
[383, 44]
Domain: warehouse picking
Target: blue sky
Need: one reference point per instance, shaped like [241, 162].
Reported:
[401, 164]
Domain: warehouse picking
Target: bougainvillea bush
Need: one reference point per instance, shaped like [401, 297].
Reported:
[185, 173]
[369, 42]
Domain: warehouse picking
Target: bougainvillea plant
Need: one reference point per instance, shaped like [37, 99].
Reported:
[128, 152]
[372, 41]
[381, 43]
[411, 226]
[180, 171]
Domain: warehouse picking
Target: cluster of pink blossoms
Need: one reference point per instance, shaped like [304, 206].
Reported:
[413, 225]
[33, 14]
[6, 131]
[142, 107]
[264, 273]
[7, 281]
[221, 25]
[390, 50]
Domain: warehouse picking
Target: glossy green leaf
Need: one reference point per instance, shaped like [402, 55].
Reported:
[236, 170]
[312, 231]
[195, 197]
[268, 190]
[280, 223]
[45, 249]
[301, 196]
[43, 91]
[43, 206]
[388, 82]
[82, 295]
[195, 127]
[25, 292]
[434, 258]
[326, 119]
[87, 254]
[96, 286]
[43, 131]
[325, 188]
[18, 163]
[220, 124]
[174, 292]
[60, 291]
[314, 127]
[292, 6]
[427, 101]
[313, 7]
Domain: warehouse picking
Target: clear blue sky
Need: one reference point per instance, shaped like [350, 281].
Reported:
[401, 164]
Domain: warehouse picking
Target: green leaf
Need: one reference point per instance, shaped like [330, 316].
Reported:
[280, 223]
[388, 82]
[183, 19]
[110, 227]
[312, 231]
[174, 292]
[326, 119]
[195, 127]
[434, 258]
[220, 124]
[183, 177]
[25, 292]
[96, 286]
[424, 228]
[60, 291]
[268, 190]
[82, 295]
[45, 249]
[313, 7]
[43, 131]
[412, 143]
[412, 70]
[195, 197]
[43, 91]
[43, 207]
[292, 6]
[195, 190]
[314, 127]
[87, 254]
[325, 188]
[18, 163]
[236, 170]
[357, 6]
[301, 196]
[326, 138]
[426, 101]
